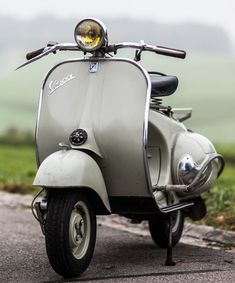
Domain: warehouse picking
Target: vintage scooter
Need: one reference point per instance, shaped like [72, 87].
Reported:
[106, 144]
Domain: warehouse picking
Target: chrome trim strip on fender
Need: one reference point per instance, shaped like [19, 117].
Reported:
[36, 126]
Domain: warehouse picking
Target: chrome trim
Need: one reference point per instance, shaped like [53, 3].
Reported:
[111, 48]
[147, 47]
[54, 85]
[50, 49]
[80, 230]
[104, 41]
[187, 170]
[36, 126]
[207, 162]
[43, 204]
[93, 68]
[145, 133]
[198, 175]
[175, 207]
[64, 147]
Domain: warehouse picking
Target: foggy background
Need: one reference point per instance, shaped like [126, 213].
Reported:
[205, 29]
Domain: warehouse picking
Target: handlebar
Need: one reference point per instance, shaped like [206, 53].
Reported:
[38, 54]
[146, 47]
[35, 53]
[52, 48]
[172, 52]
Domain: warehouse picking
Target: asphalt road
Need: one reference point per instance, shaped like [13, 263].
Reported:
[119, 257]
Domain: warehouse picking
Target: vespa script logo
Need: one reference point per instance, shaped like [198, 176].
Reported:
[54, 85]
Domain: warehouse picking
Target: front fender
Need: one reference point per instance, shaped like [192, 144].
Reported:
[72, 168]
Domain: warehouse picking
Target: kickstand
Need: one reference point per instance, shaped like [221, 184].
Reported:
[169, 259]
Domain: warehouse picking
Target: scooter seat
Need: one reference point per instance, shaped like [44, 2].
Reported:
[163, 85]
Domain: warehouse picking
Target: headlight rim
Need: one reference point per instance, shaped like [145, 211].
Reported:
[104, 40]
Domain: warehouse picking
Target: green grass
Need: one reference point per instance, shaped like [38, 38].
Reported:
[17, 169]
[221, 200]
[228, 151]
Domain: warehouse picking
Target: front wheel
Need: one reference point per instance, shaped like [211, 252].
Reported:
[70, 232]
[158, 227]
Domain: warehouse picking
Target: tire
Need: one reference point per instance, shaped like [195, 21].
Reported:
[158, 227]
[70, 233]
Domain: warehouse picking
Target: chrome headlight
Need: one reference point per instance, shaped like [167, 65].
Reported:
[199, 178]
[188, 170]
[91, 35]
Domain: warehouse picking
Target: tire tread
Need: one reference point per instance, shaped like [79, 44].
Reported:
[57, 245]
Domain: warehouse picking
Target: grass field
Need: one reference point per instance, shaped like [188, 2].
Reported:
[17, 171]
[17, 168]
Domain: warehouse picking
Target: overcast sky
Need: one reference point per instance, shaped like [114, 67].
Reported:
[213, 12]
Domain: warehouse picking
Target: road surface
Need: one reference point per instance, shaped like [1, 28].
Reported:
[119, 256]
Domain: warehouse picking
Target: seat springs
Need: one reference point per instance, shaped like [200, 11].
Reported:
[155, 102]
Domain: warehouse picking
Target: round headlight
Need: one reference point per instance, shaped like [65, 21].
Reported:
[90, 34]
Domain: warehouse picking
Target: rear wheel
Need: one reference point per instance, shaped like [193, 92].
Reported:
[158, 227]
[70, 232]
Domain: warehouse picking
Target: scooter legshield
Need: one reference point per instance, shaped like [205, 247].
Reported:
[109, 99]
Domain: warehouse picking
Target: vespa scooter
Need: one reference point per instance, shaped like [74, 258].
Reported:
[106, 144]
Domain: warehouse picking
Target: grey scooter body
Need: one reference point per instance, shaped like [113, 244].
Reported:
[136, 148]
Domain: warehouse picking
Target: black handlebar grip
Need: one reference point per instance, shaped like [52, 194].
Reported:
[33, 54]
[171, 52]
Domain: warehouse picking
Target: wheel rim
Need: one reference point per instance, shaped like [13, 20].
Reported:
[79, 230]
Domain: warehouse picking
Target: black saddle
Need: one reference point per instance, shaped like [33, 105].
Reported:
[163, 85]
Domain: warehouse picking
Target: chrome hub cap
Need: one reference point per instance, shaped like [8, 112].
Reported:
[79, 230]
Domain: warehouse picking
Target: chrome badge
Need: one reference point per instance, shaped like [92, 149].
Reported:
[54, 85]
[93, 68]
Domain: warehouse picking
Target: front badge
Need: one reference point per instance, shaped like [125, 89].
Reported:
[93, 68]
